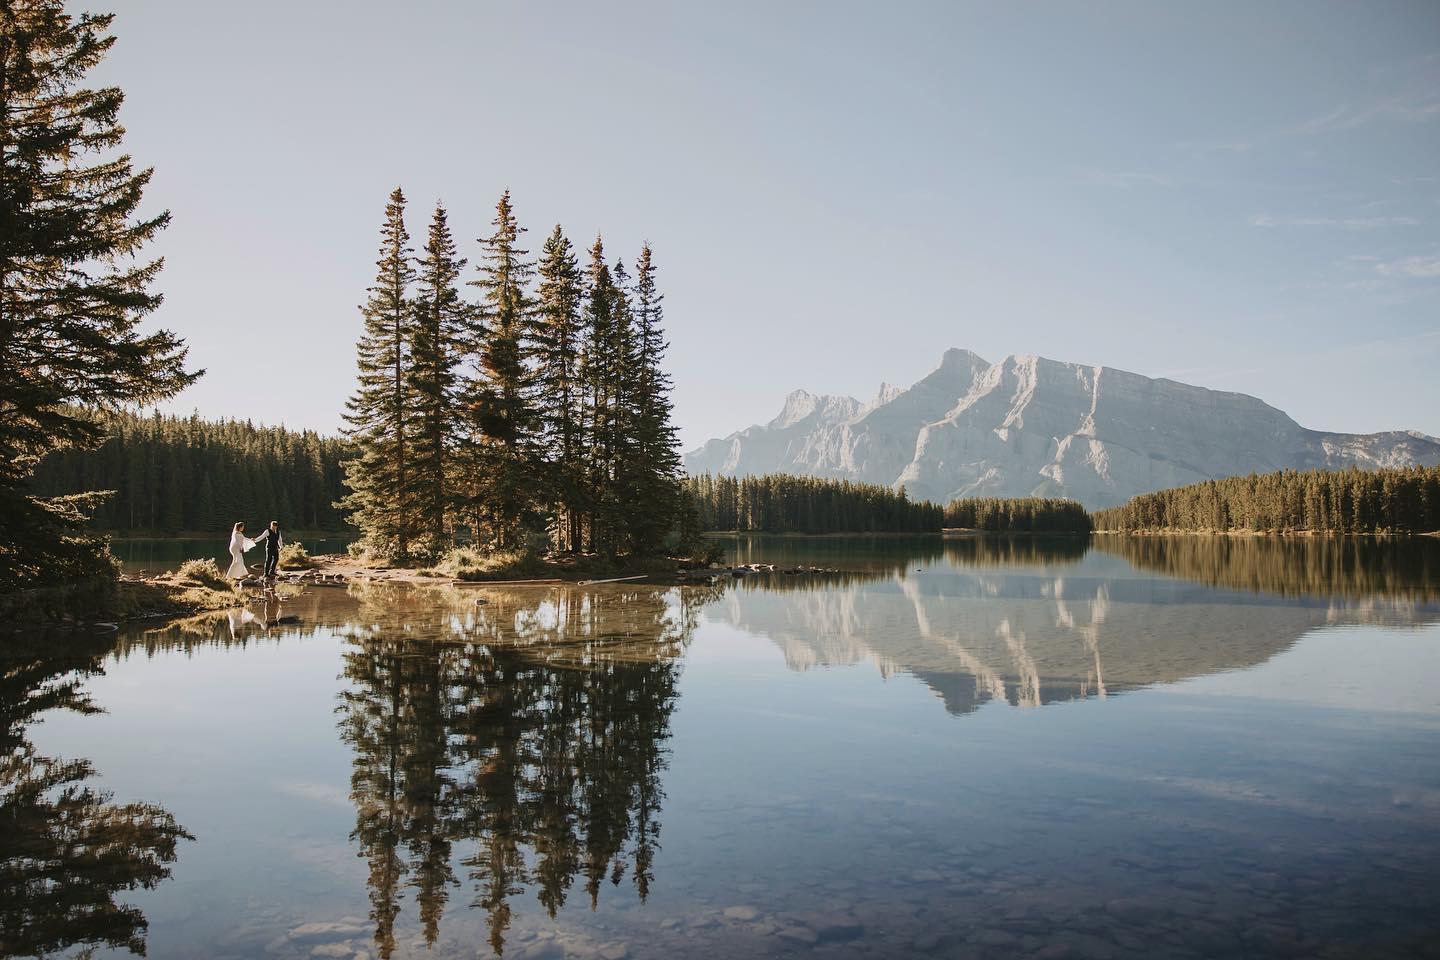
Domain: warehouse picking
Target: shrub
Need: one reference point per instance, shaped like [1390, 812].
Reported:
[202, 573]
[294, 556]
[473, 563]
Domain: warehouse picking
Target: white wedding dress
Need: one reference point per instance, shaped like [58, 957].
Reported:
[239, 543]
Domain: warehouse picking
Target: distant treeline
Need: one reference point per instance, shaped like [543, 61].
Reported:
[1401, 500]
[171, 474]
[1018, 515]
[782, 503]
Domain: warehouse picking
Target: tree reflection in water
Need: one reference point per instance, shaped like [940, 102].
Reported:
[1396, 568]
[525, 736]
[65, 849]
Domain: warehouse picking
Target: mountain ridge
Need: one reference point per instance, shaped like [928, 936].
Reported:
[1028, 425]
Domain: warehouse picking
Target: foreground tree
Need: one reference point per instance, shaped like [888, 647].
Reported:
[381, 478]
[72, 289]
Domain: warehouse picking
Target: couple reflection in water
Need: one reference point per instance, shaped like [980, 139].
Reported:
[241, 620]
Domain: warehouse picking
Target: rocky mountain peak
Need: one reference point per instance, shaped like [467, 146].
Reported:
[1028, 425]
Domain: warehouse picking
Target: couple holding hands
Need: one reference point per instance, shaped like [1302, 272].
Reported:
[239, 543]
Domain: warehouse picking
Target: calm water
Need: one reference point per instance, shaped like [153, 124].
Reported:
[1185, 748]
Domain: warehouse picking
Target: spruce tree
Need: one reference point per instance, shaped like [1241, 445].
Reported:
[656, 464]
[559, 336]
[440, 317]
[381, 477]
[503, 411]
[600, 370]
[624, 505]
[73, 282]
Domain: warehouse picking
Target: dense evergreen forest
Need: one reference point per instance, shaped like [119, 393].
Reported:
[1018, 515]
[1401, 500]
[536, 416]
[174, 474]
[783, 503]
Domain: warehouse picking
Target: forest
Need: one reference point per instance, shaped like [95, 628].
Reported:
[1387, 501]
[173, 474]
[784, 503]
[1018, 515]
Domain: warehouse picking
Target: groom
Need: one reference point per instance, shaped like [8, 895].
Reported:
[274, 540]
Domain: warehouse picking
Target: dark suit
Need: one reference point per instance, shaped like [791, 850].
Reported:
[274, 540]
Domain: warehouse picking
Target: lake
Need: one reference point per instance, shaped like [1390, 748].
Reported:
[1182, 747]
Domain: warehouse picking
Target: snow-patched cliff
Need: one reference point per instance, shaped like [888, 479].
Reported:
[1030, 426]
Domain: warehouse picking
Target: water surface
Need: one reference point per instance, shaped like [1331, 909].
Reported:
[983, 748]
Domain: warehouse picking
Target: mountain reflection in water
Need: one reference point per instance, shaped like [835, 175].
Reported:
[1036, 620]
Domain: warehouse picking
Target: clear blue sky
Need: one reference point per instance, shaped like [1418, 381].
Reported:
[1243, 196]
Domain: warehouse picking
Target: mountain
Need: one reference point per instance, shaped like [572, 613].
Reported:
[1028, 426]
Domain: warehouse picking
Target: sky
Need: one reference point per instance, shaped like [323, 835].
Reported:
[1237, 195]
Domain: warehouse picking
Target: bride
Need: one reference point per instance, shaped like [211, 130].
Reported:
[239, 543]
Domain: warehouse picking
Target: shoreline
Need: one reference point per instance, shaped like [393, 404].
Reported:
[1268, 534]
[116, 537]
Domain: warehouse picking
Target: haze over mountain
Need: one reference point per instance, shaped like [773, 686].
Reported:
[1031, 426]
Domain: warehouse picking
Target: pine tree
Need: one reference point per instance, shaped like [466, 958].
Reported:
[558, 346]
[381, 477]
[656, 463]
[72, 292]
[626, 469]
[503, 411]
[440, 317]
[600, 373]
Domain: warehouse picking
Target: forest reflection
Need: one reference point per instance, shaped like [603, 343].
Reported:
[1405, 569]
[67, 850]
[1398, 568]
[510, 746]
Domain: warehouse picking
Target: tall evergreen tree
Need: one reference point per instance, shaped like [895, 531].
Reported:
[72, 291]
[655, 465]
[601, 368]
[503, 411]
[440, 317]
[381, 476]
[559, 341]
